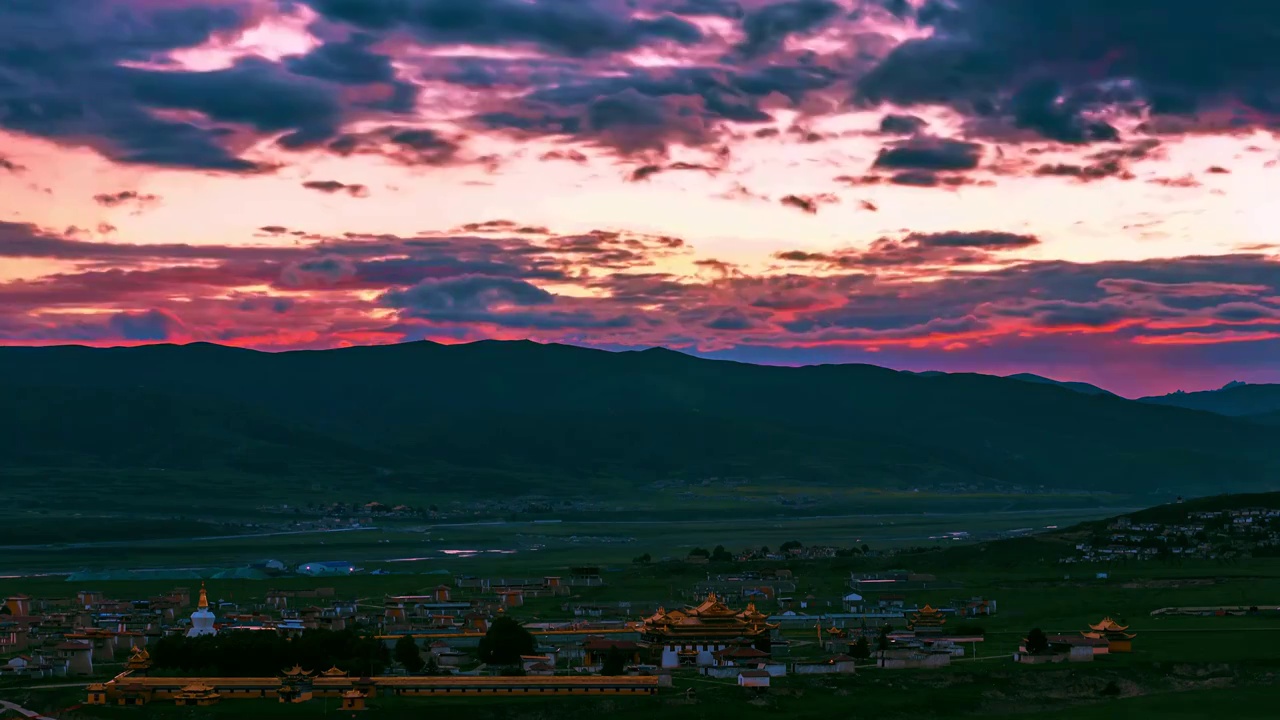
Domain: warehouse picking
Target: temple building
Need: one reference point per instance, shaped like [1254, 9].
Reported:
[197, 694]
[927, 620]
[139, 662]
[693, 636]
[202, 619]
[1114, 633]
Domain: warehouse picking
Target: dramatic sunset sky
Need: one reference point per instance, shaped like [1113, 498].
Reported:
[1084, 189]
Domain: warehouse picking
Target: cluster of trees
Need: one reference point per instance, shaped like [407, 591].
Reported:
[505, 641]
[1037, 642]
[408, 656]
[717, 555]
[720, 554]
[264, 654]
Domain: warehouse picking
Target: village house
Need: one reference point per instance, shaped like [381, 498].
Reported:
[753, 679]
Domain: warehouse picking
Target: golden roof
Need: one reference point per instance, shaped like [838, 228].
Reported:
[711, 607]
[334, 672]
[297, 671]
[1108, 625]
[1105, 635]
[204, 598]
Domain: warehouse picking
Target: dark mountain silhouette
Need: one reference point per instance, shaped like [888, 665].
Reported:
[1236, 399]
[1079, 387]
[560, 418]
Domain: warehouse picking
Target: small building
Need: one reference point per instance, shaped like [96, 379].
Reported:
[539, 668]
[97, 694]
[1118, 641]
[1078, 644]
[739, 655]
[18, 605]
[79, 657]
[528, 661]
[596, 649]
[354, 700]
[838, 665]
[753, 679]
[197, 694]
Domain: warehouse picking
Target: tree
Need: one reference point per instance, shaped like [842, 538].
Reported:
[882, 642]
[4, 610]
[1037, 641]
[505, 642]
[644, 559]
[721, 555]
[615, 662]
[700, 552]
[862, 649]
[790, 545]
[432, 667]
[406, 653]
[764, 549]
[865, 548]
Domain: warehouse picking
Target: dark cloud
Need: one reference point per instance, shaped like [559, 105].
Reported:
[330, 187]
[929, 153]
[896, 124]
[1085, 173]
[352, 62]
[62, 78]
[569, 155]
[768, 27]
[808, 203]
[732, 319]
[644, 172]
[991, 240]
[96, 73]
[644, 109]
[730, 9]
[920, 250]
[1060, 70]
[125, 197]
[404, 145]
[929, 179]
[152, 326]
[10, 166]
[563, 26]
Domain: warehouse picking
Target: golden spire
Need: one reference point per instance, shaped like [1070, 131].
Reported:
[204, 598]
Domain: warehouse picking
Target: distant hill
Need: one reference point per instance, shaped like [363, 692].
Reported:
[1269, 418]
[1236, 399]
[492, 417]
[1079, 387]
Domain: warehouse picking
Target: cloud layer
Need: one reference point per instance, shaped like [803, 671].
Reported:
[825, 112]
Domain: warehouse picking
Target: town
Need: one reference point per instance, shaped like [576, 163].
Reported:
[688, 625]
[476, 635]
[1204, 534]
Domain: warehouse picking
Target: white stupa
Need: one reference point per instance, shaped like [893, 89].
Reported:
[202, 619]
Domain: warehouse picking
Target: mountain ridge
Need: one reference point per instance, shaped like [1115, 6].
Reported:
[555, 416]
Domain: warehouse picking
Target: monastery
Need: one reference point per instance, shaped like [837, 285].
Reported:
[1118, 641]
[691, 637]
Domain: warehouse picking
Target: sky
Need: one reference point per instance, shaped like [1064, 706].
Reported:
[1081, 189]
